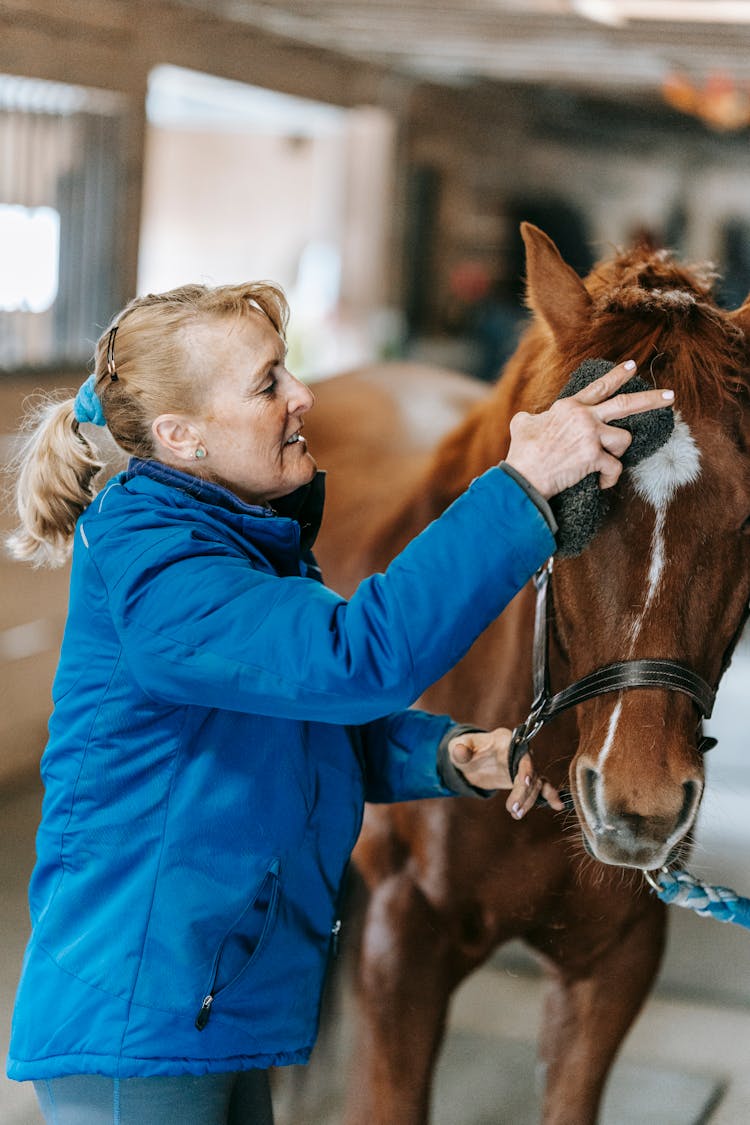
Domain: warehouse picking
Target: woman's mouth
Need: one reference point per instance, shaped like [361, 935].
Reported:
[294, 439]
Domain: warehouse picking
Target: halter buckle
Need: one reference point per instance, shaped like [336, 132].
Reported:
[522, 736]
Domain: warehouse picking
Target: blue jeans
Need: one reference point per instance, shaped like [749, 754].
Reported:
[243, 1098]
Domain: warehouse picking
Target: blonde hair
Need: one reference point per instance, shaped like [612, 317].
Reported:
[56, 468]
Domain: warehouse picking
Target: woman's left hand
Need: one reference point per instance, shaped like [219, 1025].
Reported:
[482, 757]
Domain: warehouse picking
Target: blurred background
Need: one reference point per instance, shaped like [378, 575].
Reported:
[375, 157]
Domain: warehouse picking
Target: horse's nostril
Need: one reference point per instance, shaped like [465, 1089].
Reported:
[589, 778]
[692, 792]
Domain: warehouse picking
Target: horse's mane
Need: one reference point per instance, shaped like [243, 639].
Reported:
[646, 306]
[649, 307]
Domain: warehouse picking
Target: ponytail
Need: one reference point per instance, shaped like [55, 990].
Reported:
[54, 482]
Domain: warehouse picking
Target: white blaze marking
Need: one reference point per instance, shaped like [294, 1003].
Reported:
[655, 571]
[677, 463]
[609, 740]
[656, 479]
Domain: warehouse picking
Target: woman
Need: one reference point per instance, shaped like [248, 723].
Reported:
[220, 717]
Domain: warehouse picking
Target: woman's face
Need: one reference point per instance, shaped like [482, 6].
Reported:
[251, 426]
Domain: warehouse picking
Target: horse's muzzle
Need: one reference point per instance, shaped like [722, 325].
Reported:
[628, 837]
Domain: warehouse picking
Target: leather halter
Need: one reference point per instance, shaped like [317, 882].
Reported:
[620, 676]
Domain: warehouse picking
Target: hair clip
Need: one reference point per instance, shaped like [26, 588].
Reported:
[111, 369]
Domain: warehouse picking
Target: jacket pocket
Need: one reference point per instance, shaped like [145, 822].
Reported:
[242, 943]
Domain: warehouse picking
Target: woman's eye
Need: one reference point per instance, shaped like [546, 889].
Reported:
[270, 388]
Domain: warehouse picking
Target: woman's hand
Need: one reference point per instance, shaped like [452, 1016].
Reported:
[557, 448]
[482, 757]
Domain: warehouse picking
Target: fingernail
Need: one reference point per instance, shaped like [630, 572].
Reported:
[667, 395]
[629, 365]
[517, 809]
[527, 779]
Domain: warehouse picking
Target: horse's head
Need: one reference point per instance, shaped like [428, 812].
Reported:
[668, 575]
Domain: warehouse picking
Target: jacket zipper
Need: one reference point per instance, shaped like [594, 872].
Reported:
[335, 936]
[205, 1011]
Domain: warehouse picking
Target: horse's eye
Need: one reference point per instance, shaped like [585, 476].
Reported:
[745, 529]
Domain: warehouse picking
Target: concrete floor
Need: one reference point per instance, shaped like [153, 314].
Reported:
[684, 1063]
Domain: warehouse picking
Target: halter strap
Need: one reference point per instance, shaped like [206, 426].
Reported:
[626, 674]
[620, 676]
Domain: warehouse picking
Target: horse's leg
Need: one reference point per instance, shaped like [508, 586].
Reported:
[589, 1013]
[404, 986]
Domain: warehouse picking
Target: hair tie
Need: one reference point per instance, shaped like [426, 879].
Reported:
[87, 406]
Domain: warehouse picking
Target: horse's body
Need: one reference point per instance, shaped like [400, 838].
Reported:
[668, 576]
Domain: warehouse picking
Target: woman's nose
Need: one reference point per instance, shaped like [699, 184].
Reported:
[301, 397]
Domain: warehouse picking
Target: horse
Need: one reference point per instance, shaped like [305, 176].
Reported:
[666, 578]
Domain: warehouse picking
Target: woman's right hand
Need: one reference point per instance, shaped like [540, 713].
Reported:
[557, 448]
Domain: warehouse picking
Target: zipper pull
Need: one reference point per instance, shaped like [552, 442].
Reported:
[335, 933]
[205, 1011]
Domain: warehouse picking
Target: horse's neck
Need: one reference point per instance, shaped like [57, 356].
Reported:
[480, 441]
[483, 437]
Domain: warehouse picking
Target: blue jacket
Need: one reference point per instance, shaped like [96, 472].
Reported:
[220, 717]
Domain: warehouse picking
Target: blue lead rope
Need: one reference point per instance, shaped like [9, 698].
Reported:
[682, 889]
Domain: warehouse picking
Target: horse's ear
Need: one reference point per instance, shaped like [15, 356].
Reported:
[741, 317]
[555, 292]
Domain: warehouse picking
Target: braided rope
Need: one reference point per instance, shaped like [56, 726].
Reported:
[680, 888]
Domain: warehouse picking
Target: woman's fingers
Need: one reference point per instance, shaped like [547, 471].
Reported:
[606, 385]
[622, 406]
[557, 448]
[609, 469]
[552, 797]
[527, 787]
[601, 394]
[522, 798]
[615, 440]
[607, 407]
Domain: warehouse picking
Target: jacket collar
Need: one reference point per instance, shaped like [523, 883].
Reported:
[304, 505]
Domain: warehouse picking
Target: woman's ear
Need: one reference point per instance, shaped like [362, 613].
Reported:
[176, 436]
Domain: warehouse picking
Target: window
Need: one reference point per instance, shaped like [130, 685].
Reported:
[60, 212]
[30, 262]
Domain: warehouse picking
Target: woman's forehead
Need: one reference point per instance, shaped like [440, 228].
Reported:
[241, 341]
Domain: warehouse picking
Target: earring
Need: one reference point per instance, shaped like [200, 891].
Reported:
[200, 453]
